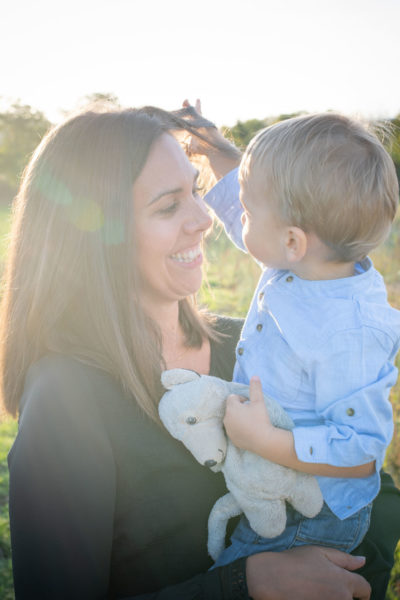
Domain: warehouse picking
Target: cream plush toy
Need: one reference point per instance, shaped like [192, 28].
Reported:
[192, 411]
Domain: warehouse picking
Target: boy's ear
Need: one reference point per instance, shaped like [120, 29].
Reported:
[295, 244]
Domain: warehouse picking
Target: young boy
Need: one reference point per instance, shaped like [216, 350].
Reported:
[317, 194]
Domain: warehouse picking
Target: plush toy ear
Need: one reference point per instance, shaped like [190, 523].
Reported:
[176, 376]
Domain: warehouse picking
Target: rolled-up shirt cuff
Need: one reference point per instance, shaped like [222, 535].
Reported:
[310, 444]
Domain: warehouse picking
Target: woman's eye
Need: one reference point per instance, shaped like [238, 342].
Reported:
[170, 209]
[197, 189]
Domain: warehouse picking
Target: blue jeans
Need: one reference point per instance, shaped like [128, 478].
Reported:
[326, 529]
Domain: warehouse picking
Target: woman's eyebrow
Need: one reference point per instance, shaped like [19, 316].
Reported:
[164, 193]
[196, 174]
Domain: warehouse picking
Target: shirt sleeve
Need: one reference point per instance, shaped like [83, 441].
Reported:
[352, 378]
[223, 583]
[223, 198]
[62, 494]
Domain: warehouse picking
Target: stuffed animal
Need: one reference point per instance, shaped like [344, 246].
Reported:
[192, 410]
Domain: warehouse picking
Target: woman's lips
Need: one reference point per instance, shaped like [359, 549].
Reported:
[189, 255]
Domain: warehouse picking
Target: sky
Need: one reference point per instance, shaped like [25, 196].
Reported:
[245, 59]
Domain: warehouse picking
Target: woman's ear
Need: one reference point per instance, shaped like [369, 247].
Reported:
[295, 244]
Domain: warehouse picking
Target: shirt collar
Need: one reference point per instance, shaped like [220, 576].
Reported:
[345, 287]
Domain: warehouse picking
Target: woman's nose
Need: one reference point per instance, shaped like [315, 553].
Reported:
[198, 219]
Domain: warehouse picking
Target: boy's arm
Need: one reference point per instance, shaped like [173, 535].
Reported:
[352, 373]
[352, 381]
[223, 198]
[249, 427]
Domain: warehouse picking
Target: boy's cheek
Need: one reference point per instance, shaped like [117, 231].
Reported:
[245, 237]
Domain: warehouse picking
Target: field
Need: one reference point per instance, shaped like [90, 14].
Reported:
[231, 278]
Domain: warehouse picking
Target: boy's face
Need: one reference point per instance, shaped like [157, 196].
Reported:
[263, 231]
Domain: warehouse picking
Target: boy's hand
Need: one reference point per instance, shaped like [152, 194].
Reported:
[247, 422]
[194, 145]
[222, 155]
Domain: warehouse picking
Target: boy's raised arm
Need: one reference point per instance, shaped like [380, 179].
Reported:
[223, 198]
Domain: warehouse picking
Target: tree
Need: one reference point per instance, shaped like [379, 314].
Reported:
[395, 143]
[100, 98]
[243, 131]
[21, 129]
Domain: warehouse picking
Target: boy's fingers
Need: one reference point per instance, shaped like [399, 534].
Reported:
[236, 398]
[256, 393]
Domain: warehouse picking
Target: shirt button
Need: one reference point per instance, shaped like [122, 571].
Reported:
[259, 327]
[311, 449]
[240, 351]
[261, 295]
[289, 278]
[350, 412]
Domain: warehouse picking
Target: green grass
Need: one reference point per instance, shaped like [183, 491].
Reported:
[8, 430]
[5, 217]
[231, 277]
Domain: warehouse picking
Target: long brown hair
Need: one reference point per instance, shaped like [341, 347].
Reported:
[70, 283]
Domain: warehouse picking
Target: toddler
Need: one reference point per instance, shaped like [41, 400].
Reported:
[317, 194]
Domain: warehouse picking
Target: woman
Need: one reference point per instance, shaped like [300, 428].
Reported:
[106, 252]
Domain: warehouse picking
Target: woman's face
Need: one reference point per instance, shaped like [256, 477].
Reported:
[170, 220]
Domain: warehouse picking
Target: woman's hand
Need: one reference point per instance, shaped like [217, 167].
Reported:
[306, 573]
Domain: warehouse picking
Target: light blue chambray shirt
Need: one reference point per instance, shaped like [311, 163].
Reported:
[325, 351]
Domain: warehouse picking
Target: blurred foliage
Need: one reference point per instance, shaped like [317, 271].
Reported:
[243, 131]
[394, 147]
[8, 430]
[21, 129]
[102, 97]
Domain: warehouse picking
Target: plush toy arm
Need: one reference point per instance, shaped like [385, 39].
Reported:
[224, 509]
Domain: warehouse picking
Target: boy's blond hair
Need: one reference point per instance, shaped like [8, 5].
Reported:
[329, 175]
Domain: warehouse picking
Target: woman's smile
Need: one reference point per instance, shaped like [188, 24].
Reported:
[191, 257]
